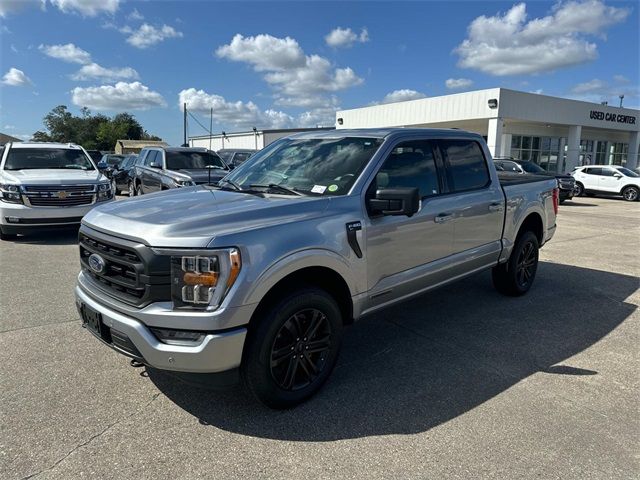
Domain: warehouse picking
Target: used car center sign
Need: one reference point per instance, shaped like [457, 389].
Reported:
[612, 117]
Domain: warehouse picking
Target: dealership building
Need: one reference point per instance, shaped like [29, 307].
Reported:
[557, 133]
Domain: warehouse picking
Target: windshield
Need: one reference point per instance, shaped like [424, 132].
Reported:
[113, 159]
[41, 158]
[180, 160]
[531, 167]
[312, 166]
[627, 173]
[226, 155]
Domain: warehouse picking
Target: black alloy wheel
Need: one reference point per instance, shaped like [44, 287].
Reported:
[299, 351]
[578, 190]
[526, 264]
[292, 346]
[132, 190]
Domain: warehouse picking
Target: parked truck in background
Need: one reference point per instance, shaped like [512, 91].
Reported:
[256, 277]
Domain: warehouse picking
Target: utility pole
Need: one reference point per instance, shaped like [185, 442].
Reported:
[621, 98]
[255, 137]
[184, 125]
[210, 130]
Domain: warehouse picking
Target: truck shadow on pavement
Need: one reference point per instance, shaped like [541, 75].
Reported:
[417, 365]
[66, 236]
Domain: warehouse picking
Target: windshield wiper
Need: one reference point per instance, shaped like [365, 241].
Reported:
[275, 186]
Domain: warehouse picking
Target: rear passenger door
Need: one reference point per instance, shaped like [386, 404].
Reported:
[476, 207]
[400, 249]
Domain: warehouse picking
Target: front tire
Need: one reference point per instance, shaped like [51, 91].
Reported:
[630, 194]
[139, 190]
[515, 277]
[7, 236]
[293, 348]
[578, 190]
[131, 189]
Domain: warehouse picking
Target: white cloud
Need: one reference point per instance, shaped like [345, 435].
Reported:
[67, 53]
[508, 44]
[401, 95]
[295, 76]
[458, 83]
[16, 78]
[8, 7]
[264, 52]
[236, 114]
[597, 90]
[345, 37]
[147, 35]
[121, 96]
[95, 71]
[87, 8]
[135, 16]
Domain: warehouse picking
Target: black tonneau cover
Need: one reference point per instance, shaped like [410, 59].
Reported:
[509, 178]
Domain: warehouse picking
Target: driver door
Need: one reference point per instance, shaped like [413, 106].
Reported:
[608, 182]
[403, 251]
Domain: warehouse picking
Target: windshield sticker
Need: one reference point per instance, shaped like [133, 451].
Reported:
[318, 189]
[333, 188]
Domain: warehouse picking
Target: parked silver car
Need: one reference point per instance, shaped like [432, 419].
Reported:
[257, 277]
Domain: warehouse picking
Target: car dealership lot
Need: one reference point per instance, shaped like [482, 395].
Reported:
[462, 382]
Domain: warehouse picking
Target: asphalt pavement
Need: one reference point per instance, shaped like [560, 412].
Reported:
[459, 383]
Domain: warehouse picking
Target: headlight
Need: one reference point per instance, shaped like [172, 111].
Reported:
[184, 183]
[202, 279]
[10, 194]
[104, 191]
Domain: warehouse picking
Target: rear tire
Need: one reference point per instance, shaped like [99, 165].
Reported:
[292, 349]
[630, 194]
[515, 277]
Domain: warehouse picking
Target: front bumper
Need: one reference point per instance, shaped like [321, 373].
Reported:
[566, 194]
[26, 217]
[217, 352]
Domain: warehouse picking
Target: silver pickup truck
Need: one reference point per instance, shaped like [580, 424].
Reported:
[256, 277]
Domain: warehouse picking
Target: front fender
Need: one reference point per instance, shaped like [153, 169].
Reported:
[294, 262]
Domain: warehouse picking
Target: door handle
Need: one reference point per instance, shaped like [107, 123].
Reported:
[496, 207]
[443, 217]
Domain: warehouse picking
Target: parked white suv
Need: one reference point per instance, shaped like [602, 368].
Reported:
[47, 185]
[608, 179]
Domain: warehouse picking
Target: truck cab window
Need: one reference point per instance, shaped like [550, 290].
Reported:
[410, 164]
[466, 166]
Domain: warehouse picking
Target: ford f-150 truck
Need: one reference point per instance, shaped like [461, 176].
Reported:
[47, 185]
[256, 277]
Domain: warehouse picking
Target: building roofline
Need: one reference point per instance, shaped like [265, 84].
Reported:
[275, 130]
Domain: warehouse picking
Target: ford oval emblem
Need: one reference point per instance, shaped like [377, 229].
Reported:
[96, 263]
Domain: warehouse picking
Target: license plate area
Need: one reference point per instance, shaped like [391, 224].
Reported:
[92, 320]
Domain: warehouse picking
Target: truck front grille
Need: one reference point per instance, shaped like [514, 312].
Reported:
[132, 273]
[59, 195]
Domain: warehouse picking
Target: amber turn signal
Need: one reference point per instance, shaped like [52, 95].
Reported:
[208, 279]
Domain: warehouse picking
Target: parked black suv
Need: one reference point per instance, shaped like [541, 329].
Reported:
[162, 168]
[566, 183]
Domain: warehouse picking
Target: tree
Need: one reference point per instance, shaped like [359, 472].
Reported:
[94, 132]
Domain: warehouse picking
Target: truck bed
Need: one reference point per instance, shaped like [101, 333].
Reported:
[508, 178]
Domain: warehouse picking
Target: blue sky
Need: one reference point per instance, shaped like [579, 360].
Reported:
[293, 64]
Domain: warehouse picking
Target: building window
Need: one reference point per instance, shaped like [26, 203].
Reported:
[601, 153]
[544, 151]
[618, 153]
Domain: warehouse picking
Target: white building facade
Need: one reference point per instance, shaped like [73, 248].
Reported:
[252, 139]
[556, 133]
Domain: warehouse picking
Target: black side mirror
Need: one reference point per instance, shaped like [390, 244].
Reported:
[395, 201]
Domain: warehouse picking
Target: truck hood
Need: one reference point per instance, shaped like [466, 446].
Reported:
[194, 216]
[52, 176]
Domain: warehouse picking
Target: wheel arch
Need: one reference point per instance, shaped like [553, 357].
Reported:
[533, 223]
[323, 277]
